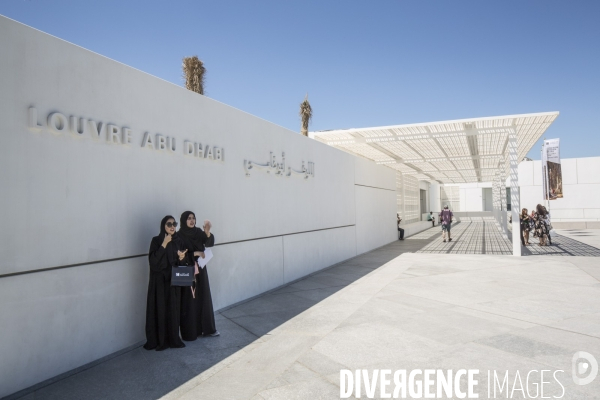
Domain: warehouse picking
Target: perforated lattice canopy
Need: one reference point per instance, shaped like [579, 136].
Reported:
[460, 151]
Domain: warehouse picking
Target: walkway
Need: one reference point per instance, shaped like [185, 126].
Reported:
[482, 236]
[471, 237]
[390, 308]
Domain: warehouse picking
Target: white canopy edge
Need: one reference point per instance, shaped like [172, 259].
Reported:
[453, 151]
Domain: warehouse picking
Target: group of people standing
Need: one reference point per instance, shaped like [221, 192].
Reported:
[174, 309]
[537, 222]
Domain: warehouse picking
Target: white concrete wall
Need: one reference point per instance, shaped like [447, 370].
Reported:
[581, 191]
[579, 208]
[473, 199]
[374, 225]
[471, 196]
[309, 252]
[435, 204]
[78, 202]
[58, 320]
[374, 187]
[426, 186]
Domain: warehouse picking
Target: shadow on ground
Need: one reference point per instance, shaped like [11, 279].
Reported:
[561, 246]
[484, 237]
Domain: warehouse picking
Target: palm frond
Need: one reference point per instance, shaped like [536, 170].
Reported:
[305, 115]
[193, 73]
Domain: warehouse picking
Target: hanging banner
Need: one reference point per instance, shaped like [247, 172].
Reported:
[551, 170]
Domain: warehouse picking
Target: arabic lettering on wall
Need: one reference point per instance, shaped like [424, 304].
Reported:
[307, 169]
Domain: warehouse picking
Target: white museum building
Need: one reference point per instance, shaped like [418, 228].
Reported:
[95, 153]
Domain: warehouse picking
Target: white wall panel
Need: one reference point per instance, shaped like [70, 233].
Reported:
[591, 213]
[569, 171]
[537, 173]
[473, 199]
[566, 214]
[588, 170]
[367, 173]
[526, 173]
[530, 196]
[434, 198]
[242, 270]
[580, 196]
[310, 252]
[375, 218]
[58, 320]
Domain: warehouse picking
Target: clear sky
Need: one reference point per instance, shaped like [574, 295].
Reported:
[363, 63]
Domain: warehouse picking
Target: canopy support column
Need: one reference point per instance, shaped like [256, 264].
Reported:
[504, 215]
[403, 200]
[515, 201]
[496, 200]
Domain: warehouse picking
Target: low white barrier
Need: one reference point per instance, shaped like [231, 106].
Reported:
[416, 227]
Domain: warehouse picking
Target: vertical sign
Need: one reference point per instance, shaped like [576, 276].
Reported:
[551, 170]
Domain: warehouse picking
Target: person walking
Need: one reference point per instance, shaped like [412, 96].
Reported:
[445, 218]
[400, 230]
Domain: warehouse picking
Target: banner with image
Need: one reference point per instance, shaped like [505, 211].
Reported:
[551, 170]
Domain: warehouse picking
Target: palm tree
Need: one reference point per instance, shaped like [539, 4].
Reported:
[193, 72]
[305, 115]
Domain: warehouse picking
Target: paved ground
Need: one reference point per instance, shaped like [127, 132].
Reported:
[387, 309]
[469, 237]
[482, 236]
[591, 237]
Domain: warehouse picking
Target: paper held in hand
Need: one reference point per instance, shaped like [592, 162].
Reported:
[207, 256]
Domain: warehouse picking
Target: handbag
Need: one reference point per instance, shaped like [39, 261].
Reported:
[182, 276]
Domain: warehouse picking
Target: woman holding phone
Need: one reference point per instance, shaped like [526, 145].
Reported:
[197, 314]
[163, 302]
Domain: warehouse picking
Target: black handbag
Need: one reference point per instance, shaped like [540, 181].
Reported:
[182, 276]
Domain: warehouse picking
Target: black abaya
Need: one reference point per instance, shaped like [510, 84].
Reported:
[163, 302]
[197, 314]
[205, 316]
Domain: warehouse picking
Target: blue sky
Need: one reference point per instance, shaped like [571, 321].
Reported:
[363, 63]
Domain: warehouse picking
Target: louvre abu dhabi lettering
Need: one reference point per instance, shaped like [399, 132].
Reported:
[80, 127]
[58, 123]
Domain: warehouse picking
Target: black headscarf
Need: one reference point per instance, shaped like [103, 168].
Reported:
[192, 236]
[175, 243]
[163, 232]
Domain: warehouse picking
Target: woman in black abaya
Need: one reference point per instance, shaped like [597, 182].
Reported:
[197, 314]
[162, 307]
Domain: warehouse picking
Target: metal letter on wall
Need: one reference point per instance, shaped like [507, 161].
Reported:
[307, 170]
[82, 127]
